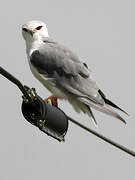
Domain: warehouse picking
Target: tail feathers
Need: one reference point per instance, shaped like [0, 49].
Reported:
[107, 101]
[91, 115]
[115, 106]
[113, 113]
[105, 108]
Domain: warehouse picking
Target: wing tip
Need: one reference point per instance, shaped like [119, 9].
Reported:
[107, 101]
[120, 118]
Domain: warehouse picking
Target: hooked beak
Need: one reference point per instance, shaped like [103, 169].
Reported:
[31, 32]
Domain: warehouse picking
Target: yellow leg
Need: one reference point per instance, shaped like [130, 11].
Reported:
[52, 100]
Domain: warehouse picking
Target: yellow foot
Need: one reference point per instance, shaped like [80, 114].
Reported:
[52, 100]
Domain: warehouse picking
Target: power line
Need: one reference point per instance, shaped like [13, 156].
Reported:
[29, 97]
[123, 148]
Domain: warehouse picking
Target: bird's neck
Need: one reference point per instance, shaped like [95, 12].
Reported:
[33, 45]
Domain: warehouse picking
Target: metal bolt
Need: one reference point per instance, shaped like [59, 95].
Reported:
[33, 116]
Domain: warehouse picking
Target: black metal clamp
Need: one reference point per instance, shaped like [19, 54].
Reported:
[47, 118]
[50, 119]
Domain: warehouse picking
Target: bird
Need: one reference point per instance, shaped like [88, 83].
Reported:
[63, 73]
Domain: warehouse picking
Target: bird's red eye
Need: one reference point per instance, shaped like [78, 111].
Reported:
[38, 28]
[24, 29]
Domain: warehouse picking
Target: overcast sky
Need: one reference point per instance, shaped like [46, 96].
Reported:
[103, 34]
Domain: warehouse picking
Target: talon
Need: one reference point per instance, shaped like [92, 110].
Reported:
[52, 100]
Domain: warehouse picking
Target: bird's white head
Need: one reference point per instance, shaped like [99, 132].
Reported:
[34, 30]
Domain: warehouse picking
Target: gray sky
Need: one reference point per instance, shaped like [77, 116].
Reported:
[103, 34]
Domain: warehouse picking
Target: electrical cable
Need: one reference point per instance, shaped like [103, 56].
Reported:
[25, 93]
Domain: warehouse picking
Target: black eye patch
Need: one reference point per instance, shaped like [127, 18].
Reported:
[24, 29]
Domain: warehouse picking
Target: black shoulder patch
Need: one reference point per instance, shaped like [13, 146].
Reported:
[38, 61]
[47, 66]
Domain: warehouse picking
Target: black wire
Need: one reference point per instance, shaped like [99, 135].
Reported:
[23, 90]
[123, 148]
[15, 81]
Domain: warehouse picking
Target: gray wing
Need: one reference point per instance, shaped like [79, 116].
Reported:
[68, 73]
